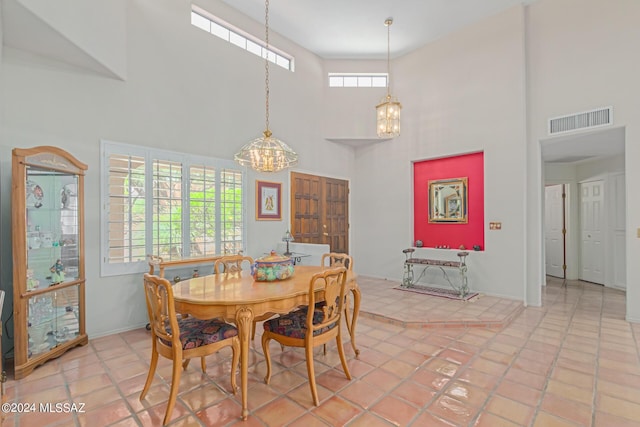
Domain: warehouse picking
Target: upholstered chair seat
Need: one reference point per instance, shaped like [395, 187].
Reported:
[196, 333]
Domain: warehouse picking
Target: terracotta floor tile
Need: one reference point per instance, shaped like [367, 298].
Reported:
[519, 392]
[573, 377]
[414, 393]
[337, 411]
[489, 367]
[532, 366]
[105, 415]
[126, 422]
[260, 394]
[154, 415]
[527, 378]
[510, 410]
[571, 392]
[616, 390]
[430, 379]
[453, 410]
[428, 419]
[455, 356]
[364, 394]
[467, 393]
[489, 420]
[43, 419]
[566, 409]
[382, 380]
[287, 380]
[202, 397]
[87, 385]
[399, 368]
[368, 420]
[82, 370]
[615, 365]
[539, 370]
[603, 419]
[442, 366]
[478, 379]
[544, 419]
[100, 397]
[619, 407]
[279, 412]
[394, 410]
[308, 420]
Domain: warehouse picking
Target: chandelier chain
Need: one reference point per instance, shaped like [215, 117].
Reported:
[266, 153]
[388, 22]
[266, 62]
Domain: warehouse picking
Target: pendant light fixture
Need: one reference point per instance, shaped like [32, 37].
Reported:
[388, 111]
[266, 153]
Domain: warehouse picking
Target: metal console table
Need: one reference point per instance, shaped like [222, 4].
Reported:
[461, 266]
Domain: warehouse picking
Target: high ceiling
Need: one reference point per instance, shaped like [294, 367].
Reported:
[355, 29]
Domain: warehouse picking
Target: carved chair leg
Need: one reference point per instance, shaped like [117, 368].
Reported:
[267, 356]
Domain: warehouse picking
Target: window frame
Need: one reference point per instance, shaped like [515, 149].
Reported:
[242, 39]
[358, 79]
[149, 154]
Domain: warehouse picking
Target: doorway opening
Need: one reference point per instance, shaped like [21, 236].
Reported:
[555, 236]
[591, 167]
[320, 211]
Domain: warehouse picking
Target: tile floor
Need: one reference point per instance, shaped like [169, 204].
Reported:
[572, 362]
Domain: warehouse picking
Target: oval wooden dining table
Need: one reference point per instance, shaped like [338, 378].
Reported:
[237, 298]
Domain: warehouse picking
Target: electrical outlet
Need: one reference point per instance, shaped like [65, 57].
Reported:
[495, 226]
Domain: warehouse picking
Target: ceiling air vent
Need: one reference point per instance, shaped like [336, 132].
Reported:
[587, 119]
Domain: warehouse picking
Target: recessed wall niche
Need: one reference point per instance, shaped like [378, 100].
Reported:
[450, 234]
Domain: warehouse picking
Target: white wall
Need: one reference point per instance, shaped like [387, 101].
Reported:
[461, 94]
[185, 90]
[580, 56]
[95, 27]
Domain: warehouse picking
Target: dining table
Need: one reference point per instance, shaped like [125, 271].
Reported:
[239, 299]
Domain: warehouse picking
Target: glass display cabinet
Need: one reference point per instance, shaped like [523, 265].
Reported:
[48, 255]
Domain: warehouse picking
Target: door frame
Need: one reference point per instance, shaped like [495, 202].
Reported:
[323, 175]
[604, 239]
[565, 225]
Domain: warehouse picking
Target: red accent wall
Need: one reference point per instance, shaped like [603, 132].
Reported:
[452, 235]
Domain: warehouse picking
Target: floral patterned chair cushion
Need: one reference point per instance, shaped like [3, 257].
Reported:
[294, 324]
[196, 333]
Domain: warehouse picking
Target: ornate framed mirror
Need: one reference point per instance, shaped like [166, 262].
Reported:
[448, 200]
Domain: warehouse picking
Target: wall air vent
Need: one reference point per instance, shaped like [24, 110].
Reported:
[585, 120]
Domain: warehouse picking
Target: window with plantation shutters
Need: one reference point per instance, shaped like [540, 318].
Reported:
[167, 204]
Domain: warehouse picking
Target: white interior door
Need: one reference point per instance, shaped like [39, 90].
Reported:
[553, 226]
[592, 231]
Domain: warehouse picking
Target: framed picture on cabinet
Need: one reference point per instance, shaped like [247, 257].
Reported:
[268, 201]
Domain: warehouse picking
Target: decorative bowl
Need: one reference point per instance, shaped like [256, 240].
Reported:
[272, 267]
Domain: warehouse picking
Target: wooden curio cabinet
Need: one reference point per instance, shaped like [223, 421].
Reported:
[48, 255]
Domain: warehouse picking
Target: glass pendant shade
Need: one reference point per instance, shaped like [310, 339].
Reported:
[388, 117]
[388, 111]
[266, 154]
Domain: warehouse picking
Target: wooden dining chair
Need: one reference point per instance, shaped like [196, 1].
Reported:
[231, 264]
[334, 259]
[310, 328]
[181, 339]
